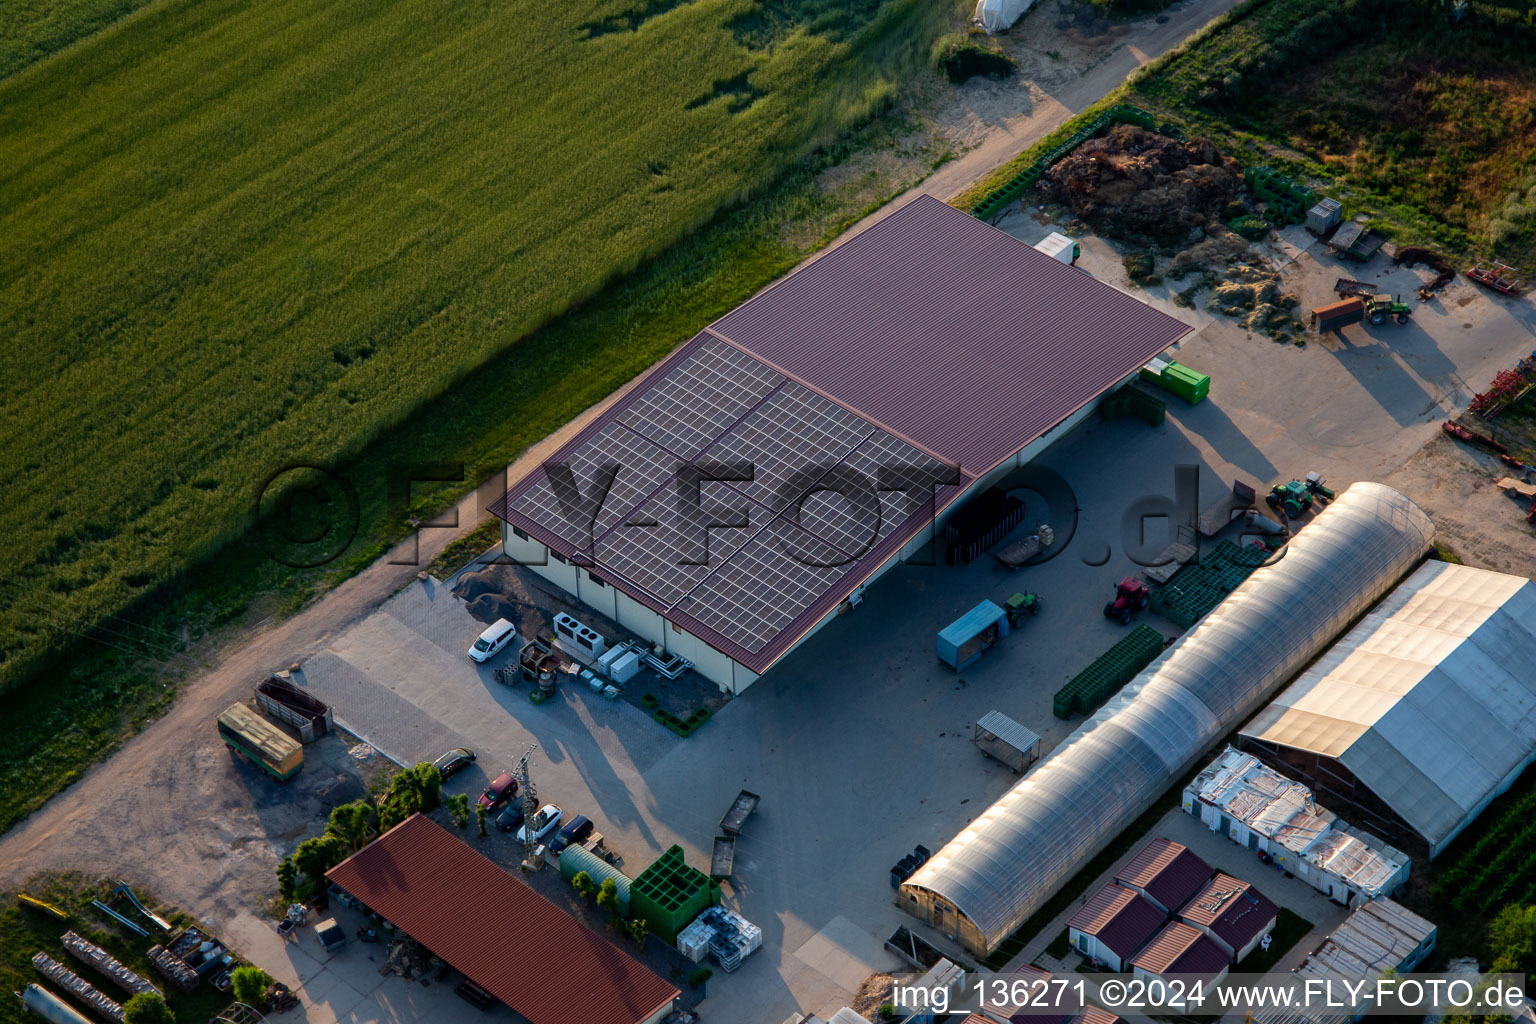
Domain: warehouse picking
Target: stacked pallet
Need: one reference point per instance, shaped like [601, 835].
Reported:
[1111, 670]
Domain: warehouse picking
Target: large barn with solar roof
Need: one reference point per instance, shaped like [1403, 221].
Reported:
[799, 446]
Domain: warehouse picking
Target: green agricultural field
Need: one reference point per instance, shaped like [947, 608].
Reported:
[1422, 120]
[236, 236]
[32, 29]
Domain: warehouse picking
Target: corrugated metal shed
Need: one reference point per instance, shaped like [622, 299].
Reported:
[1009, 731]
[1430, 701]
[1379, 936]
[497, 931]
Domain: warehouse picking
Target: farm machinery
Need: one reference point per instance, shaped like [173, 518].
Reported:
[1501, 277]
[1375, 306]
[1131, 596]
[1297, 497]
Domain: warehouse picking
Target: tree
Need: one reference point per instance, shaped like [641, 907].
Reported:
[639, 928]
[355, 824]
[1512, 937]
[699, 976]
[429, 783]
[582, 883]
[147, 1008]
[314, 857]
[480, 819]
[608, 896]
[458, 807]
[250, 986]
[287, 879]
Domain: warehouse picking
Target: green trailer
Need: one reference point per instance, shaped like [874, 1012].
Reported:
[1190, 385]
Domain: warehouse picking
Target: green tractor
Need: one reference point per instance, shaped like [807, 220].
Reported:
[1294, 499]
[1379, 307]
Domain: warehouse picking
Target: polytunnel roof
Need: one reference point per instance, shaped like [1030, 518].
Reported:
[1429, 701]
[1012, 858]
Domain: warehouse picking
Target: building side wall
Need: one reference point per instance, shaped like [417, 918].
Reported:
[1090, 946]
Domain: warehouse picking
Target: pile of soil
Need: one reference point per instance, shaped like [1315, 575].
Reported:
[1414, 255]
[1142, 187]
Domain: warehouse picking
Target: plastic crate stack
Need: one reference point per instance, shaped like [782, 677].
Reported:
[1132, 401]
[1201, 586]
[1111, 670]
[723, 934]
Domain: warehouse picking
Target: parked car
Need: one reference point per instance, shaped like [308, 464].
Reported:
[496, 636]
[502, 788]
[575, 831]
[543, 823]
[455, 761]
[511, 816]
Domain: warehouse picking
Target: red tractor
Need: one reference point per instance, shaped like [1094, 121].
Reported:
[1131, 596]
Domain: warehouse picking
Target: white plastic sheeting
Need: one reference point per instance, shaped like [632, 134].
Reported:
[1012, 858]
[1430, 701]
[996, 15]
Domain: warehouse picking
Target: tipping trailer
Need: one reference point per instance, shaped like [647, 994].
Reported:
[722, 858]
[740, 810]
[1339, 314]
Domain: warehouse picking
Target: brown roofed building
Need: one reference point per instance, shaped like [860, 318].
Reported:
[498, 932]
[1181, 949]
[1233, 913]
[1166, 873]
[912, 365]
[1113, 924]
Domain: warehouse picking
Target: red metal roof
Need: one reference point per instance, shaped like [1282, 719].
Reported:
[949, 333]
[497, 931]
[1232, 908]
[933, 327]
[1182, 949]
[1118, 918]
[1168, 872]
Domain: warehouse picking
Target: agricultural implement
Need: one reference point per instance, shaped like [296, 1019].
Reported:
[1131, 596]
[1499, 276]
[1011, 556]
[1347, 286]
[1469, 436]
[42, 905]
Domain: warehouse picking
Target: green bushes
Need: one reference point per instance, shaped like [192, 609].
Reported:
[147, 1008]
[249, 986]
[960, 58]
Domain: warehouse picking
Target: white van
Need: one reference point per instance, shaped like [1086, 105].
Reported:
[496, 636]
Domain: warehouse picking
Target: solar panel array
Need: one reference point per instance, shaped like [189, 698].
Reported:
[810, 510]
